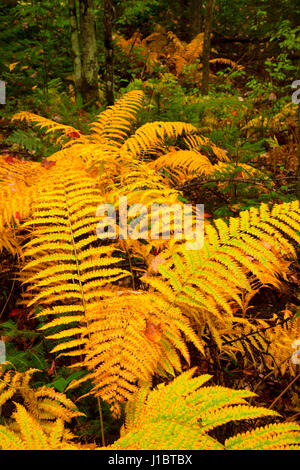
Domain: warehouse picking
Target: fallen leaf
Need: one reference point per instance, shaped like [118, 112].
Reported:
[153, 332]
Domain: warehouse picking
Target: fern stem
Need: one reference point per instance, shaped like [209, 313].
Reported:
[7, 300]
[85, 309]
[285, 390]
[130, 267]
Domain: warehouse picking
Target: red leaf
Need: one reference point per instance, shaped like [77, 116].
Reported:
[73, 135]
[9, 159]
[16, 312]
[47, 163]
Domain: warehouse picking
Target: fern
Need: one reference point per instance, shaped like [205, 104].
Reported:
[183, 414]
[44, 403]
[114, 124]
[31, 143]
[28, 434]
[130, 338]
[66, 267]
[124, 338]
[18, 181]
[150, 137]
[204, 283]
[42, 123]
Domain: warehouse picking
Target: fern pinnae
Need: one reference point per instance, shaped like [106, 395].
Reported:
[84, 269]
[273, 436]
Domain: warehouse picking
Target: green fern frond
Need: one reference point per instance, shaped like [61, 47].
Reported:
[280, 436]
[180, 415]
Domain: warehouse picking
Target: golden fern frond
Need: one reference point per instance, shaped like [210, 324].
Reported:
[139, 183]
[161, 45]
[287, 111]
[181, 414]
[51, 126]
[206, 281]
[192, 161]
[144, 51]
[44, 403]
[175, 53]
[127, 44]
[194, 49]
[244, 169]
[131, 337]
[28, 434]
[181, 54]
[197, 142]
[18, 181]
[256, 123]
[281, 339]
[151, 137]
[66, 266]
[271, 339]
[113, 125]
[175, 40]
[243, 336]
[231, 63]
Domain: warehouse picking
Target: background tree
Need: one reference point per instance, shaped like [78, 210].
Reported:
[196, 17]
[75, 45]
[108, 44]
[90, 67]
[84, 49]
[206, 46]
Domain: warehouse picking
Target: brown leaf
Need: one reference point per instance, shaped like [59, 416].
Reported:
[47, 163]
[153, 332]
[156, 262]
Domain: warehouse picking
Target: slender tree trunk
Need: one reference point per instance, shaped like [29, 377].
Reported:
[195, 17]
[75, 45]
[206, 46]
[184, 19]
[109, 58]
[89, 87]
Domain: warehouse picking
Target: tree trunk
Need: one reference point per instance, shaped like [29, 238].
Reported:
[109, 58]
[206, 47]
[89, 87]
[75, 45]
[195, 17]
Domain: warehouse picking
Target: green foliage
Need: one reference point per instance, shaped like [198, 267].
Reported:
[184, 414]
